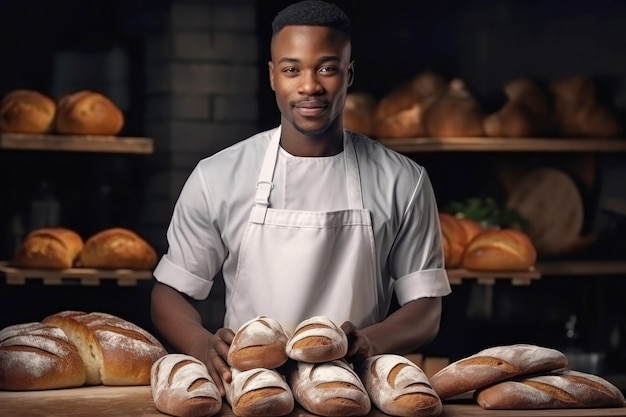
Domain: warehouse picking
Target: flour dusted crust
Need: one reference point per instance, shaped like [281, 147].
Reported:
[398, 387]
[560, 389]
[259, 343]
[259, 392]
[316, 340]
[182, 387]
[495, 364]
[35, 356]
[115, 351]
[329, 389]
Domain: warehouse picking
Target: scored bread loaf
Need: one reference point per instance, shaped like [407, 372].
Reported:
[114, 351]
[500, 250]
[117, 248]
[259, 392]
[182, 387]
[258, 343]
[559, 389]
[36, 356]
[329, 389]
[317, 339]
[88, 112]
[398, 387]
[49, 248]
[454, 238]
[27, 111]
[495, 364]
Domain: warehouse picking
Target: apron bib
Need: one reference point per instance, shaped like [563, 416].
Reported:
[296, 264]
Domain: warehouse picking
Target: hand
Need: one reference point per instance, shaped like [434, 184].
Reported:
[215, 357]
[359, 346]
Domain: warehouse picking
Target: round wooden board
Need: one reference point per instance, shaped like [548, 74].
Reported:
[552, 204]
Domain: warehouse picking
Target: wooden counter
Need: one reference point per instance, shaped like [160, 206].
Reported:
[100, 401]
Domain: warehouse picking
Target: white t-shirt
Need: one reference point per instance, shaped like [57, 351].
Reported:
[214, 206]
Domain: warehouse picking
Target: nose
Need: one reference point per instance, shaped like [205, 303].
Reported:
[310, 84]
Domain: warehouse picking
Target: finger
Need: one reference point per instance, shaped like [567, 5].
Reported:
[348, 327]
[218, 381]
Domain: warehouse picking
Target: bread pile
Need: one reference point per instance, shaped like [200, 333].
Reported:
[466, 244]
[273, 371]
[524, 376]
[61, 248]
[72, 348]
[83, 112]
[429, 105]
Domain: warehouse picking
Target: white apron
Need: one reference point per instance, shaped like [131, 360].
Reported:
[295, 264]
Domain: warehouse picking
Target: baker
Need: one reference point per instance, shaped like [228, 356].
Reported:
[305, 219]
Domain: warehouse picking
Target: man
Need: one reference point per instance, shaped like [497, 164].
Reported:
[305, 219]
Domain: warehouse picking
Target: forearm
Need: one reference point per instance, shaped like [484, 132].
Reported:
[411, 326]
[178, 321]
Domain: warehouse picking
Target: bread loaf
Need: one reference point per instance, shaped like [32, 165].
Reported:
[329, 389]
[182, 387]
[117, 248]
[27, 111]
[495, 364]
[500, 250]
[49, 248]
[317, 339]
[358, 113]
[564, 389]
[114, 351]
[35, 356]
[258, 343]
[398, 387]
[88, 113]
[454, 239]
[259, 392]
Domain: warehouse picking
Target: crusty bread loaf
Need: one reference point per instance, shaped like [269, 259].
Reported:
[454, 239]
[27, 111]
[182, 387]
[398, 387]
[36, 356]
[49, 248]
[117, 248]
[559, 389]
[259, 392]
[358, 112]
[495, 364]
[115, 351]
[88, 112]
[258, 343]
[500, 250]
[329, 389]
[317, 339]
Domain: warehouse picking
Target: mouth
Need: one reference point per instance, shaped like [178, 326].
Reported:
[310, 108]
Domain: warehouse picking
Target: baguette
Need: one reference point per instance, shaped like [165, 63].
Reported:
[398, 387]
[36, 356]
[329, 389]
[182, 387]
[259, 392]
[114, 351]
[560, 389]
[316, 340]
[495, 364]
[259, 343]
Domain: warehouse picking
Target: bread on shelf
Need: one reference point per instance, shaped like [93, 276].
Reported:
[117, 248]
[500, 250]
[49, 248]
[88, 112]
[27, 111]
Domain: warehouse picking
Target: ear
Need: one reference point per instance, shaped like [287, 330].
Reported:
[270, 66]
[351, 74]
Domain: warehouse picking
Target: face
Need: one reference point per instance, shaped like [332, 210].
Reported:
[310, 72]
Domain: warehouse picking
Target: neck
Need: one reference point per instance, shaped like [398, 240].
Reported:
[297, 143]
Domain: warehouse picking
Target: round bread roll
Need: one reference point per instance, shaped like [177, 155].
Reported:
[500, 250]
[117, 248]
[259, 343]
[36, 356]
[49, 248]
[454, 239]
[114, 351]
[27, 111]
[88, 113]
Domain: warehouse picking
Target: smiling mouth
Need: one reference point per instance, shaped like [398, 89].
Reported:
[310, 108]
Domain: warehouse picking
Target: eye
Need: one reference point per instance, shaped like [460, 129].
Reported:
[290, 70]
[328, 69]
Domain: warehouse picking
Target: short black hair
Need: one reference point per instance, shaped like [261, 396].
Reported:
[312, 13]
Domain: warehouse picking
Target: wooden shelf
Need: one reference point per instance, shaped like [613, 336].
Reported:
[83, 276]
[485, 144]
[62, 143]
[457, 275]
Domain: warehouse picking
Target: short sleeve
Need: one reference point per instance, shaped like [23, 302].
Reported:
[417, 259]
[195, 249]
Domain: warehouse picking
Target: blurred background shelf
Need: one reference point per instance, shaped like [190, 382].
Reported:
[78, 143]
